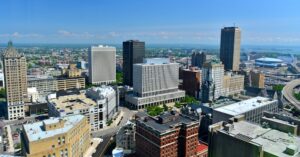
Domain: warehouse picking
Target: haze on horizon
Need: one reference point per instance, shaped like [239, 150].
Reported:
[267, 22]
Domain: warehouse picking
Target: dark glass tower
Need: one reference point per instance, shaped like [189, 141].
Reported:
[230, 48]
[133, 52]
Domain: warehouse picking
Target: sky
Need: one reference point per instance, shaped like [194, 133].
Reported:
[263, 22]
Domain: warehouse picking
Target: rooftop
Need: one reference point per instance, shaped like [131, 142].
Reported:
[69, 103]
[156, 60]
[164, 122]
[36, 131]
[273, 141]
[266, 59]
[245, 106]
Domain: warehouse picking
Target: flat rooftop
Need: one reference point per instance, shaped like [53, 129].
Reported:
[167, 124]
[36, 131]
[156, 60]
[245, 106]
[69, 103]
[273, 141]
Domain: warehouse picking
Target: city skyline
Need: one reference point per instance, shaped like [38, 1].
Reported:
[167, 22]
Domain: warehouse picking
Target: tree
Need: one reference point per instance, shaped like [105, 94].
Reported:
[278, 87]
[2, 93]
[165, 107]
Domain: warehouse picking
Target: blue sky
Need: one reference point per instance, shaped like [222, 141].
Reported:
[263, 22]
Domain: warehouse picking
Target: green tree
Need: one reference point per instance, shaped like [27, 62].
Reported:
[165, 107]
[154, 110]
[278, 87]
[2, 93]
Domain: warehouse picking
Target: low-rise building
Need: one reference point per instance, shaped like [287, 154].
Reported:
[168, 135]
[56, 137]
[125, 138]
[239, 138]
[252, 108]
[282, 122]
[98, 104]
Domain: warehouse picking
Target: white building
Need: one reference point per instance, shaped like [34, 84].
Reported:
[102, 64]
[212, 80]
[98, 104]
[252, 109]
[154, 82]
[33, 94]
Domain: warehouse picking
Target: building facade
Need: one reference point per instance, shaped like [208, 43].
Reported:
[102, 64]
[257, 79]
[212, 81]
[133, 53]
[56, 137]
[44, 86]
[230, 48]
[98, 104]
[233, 84]
[154, 83]
[125, 138]
[168, 135]
[252, 108]
[198, 59]
[15, 76]
[191, 81]
[70, 83]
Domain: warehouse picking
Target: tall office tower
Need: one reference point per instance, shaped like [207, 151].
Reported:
[230, 48]
[168, 135]
[198, 59]
[15, 75]
[212, 80]
[102, 64]
[133, 52]
[154, 82]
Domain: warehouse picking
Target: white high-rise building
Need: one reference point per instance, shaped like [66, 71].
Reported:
[212, 80]
[154, 82]
[102, 64]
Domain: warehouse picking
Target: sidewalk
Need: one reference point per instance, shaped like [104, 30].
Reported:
[92, 148]
[10, 139]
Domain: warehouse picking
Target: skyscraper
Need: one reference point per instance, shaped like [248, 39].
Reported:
[212, 80]
[198, 59]
[230, 48]
[15, 75]
[102, 64]
[133, 52]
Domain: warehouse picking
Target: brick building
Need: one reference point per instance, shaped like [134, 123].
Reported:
[191, 81]
[168, 135]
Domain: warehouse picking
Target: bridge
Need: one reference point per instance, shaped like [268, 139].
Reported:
[288, 93]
